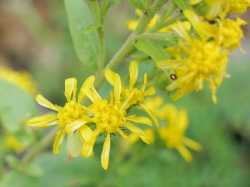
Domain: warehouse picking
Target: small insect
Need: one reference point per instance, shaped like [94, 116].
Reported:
[212, 22]
[173, 77]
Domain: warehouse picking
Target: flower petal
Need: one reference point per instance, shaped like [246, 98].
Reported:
[182, 120]
[89, 143]
[86, 132]
[46, 103]
[145, 81]
[150, 91]
[144, 137]
[125, 136]
[115, 80]
[133, 73]
[75, 125]
[132, 24]
[105, 153]
[192, 144]
[88, 89]
[182, 28]
[42, 121]
[70, 89]
[58, 141]
[185, 153]
[150, 113]
[140, 119]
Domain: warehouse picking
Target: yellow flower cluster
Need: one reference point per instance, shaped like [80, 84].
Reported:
[206, 39]
[172, 129]
[104, 116]
[20, 79]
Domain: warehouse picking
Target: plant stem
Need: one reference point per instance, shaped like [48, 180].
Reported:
[37, 148]
[142, 25]
[117, 59]
[101, 36]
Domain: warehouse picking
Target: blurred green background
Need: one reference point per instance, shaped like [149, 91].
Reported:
[34, 36]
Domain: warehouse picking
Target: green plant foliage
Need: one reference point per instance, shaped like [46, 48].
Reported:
[83, 31]
[152, 48]
[221, 162]
[15, 106]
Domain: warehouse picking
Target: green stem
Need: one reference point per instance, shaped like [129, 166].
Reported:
[101, 36]
[129, 43]
[37, 148]
[102, 52]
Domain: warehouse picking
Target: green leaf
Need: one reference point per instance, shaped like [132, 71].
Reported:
[152, 48]
[106, 4]
[140, 4]
[15, 106]
[182, 4]
[18, 179]
[83, 31]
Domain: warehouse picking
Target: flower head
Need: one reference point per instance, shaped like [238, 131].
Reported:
[173, 134]
[230, 33]
[110, 117]
[20, 79]
[226, 32]
[194, 61]
[69, 117]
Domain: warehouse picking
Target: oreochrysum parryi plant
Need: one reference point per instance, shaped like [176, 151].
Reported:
[189, 44]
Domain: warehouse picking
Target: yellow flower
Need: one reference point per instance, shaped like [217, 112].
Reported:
[139, 94]
[13, 144]
[133, 138]
[20, 79]
[173, 134]
[226, 32]
[132, 24]
[195, 61]
[230, 33]
[110, 117]
[239, 6]
[68, 118]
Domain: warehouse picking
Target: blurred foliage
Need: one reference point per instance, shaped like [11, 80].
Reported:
[222, 129]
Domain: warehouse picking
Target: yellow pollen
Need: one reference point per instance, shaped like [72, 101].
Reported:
[107, 116]
[71, 112]
[203, 58]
